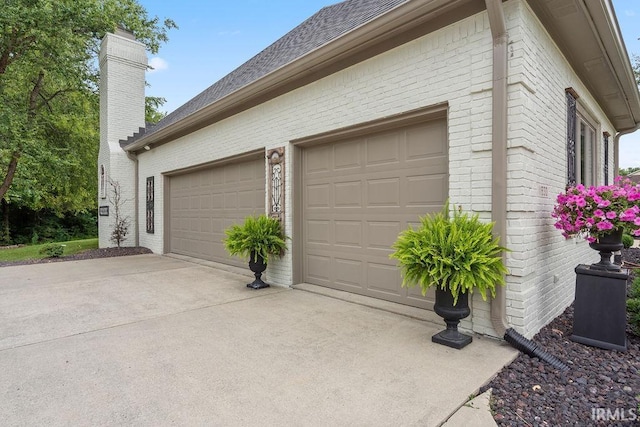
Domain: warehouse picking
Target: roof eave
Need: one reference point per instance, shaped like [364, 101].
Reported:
[387, 27]
[603, 65]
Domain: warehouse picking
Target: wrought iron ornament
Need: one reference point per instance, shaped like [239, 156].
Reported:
[571, 136]
[150, 210]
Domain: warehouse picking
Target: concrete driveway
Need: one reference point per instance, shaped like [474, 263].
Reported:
[151, 340]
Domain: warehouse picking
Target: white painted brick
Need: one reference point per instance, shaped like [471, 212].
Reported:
[453, 65]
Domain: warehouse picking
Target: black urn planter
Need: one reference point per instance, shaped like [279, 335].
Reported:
[606, 245]
[600, 308]
[452, 314]
[257, 266]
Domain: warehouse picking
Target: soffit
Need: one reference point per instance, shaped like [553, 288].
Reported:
[588, 35]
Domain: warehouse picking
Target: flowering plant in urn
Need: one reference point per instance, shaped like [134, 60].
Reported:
[596, 211]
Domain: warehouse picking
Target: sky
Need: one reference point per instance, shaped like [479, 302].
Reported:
[216, 36]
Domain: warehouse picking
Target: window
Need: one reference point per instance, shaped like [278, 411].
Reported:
[582, 145]
[585, 153]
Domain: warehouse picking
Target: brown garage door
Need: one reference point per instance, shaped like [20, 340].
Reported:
[205, 202]
[358, 194]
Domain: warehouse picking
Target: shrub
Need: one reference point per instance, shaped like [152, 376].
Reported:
[633, 306]
[627, 240]
[260, 235]
[53, 250]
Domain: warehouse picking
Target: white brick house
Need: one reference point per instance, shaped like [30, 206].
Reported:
[382, 109]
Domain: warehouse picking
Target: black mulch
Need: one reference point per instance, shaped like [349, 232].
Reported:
[602, 387]
[88, 254]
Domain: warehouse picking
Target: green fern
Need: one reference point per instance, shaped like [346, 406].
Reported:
[258, 235]
[459, 254]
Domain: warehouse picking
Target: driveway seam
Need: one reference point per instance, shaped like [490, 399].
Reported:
[142, 320]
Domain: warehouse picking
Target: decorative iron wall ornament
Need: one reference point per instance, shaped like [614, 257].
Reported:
[103, 183]
[276, 183]
[605, 138]
[150, 210]
[572, 96]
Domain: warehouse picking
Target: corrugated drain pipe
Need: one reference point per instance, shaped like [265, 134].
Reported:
[499, 180]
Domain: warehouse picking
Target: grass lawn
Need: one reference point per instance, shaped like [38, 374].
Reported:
[33, 251]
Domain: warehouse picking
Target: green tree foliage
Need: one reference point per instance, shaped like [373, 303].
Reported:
[152, 113]
[628, 171]
[48, 95]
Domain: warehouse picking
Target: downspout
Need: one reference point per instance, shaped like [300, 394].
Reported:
[616, 147]
[499, 150]
[134, 158]
[499, 182]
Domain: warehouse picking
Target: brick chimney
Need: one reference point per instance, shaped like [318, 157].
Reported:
[123, 62]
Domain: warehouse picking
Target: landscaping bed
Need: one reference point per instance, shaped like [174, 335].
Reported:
[88, 254]
[602, 387]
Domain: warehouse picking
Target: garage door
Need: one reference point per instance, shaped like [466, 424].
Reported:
[358, 194]
[204, 203]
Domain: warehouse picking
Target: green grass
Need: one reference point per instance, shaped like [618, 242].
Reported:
[33, 251]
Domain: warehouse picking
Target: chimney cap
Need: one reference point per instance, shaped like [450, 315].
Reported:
[121, 31]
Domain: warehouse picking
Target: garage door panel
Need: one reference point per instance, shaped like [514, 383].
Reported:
[383, 192]
[381, 233]
[348, 194]
[318, 231]
[358, 195]
[348, 233]
[348, 272]
[347, 156]
[204, 203]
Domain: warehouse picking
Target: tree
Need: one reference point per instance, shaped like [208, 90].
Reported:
[120, 223]
[48, 94]
[152, 113]
[628, 171]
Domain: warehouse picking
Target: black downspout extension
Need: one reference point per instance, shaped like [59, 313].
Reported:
[530, 348]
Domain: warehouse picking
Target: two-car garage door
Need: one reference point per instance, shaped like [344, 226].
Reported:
[205, 202]
[358, 195]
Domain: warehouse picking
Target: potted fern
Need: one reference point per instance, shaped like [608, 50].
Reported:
[457, 255]
[258, 239]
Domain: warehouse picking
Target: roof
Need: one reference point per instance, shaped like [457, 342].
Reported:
[346, 33]
[324, 26]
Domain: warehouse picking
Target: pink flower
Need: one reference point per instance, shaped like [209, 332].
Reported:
[611, 215]
[599, 213]
[604, 225]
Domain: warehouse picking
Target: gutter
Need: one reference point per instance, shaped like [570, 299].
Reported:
[499, 150]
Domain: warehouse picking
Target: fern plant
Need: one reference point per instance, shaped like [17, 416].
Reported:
[258, 236]
[458, 253]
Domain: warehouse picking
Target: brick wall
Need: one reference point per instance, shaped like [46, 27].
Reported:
[452, 65]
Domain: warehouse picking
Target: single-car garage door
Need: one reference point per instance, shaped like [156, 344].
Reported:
[358, 195]
[205, 202]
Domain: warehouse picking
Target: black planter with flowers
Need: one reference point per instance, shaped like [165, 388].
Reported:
[606, 245]
[600, 214]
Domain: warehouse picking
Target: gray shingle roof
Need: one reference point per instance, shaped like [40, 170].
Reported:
[326, 25]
